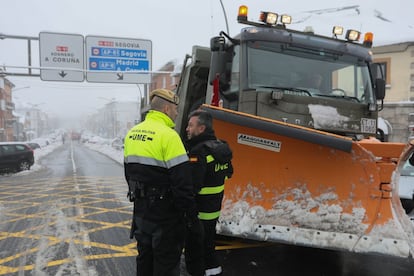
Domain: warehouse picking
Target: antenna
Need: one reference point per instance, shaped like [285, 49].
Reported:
[225, 17]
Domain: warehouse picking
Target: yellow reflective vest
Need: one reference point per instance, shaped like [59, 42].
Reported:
[154, 155]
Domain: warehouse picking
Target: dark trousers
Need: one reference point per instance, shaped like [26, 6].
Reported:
[159, 247]
[200, 252]
[194, 250]
[210, 257]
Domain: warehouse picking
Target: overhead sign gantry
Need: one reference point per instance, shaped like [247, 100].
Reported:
[71, 57]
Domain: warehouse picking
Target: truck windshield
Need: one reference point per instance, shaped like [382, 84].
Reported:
[322, 74]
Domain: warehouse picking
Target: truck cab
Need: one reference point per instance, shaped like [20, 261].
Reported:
[295, 108]
[296, 77]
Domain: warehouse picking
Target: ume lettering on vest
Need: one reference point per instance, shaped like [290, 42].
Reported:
[141, 137]
[220, 167]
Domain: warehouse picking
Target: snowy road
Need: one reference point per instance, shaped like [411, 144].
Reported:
[69, 216]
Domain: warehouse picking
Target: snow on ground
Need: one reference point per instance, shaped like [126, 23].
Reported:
[116, 155]
[39, 154]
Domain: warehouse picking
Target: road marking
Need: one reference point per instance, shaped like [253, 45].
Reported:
[30, 204]
[81, 214]
[91, 205]
[72, 158]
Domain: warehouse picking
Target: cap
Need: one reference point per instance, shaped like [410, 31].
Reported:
[165, 94]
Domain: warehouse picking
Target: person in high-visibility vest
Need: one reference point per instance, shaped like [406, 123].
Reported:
[157, 170]
[210, 160]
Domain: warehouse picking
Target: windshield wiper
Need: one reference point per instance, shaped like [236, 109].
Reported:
[338, 96]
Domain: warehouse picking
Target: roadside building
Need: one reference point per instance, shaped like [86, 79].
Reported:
[397, 62]
[6, 110]
[168, 77]
[114, 119]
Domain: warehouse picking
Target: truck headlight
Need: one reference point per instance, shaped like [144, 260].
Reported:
[352, 35]
[269, 18]
[286, 19]
[338, 30]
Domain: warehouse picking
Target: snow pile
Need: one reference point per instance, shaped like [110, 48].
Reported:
[297, 207]
[38, 155]
[114, 154]
[326, 116]
[299, 217]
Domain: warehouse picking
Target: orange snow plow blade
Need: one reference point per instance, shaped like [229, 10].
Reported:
[302, 186]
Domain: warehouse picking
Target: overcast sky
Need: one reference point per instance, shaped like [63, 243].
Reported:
[173, 27]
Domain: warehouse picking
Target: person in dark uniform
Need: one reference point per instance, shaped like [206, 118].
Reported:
[210, 160]
[157, 170]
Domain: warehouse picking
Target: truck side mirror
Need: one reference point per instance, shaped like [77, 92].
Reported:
[220, 60]
[380, 89]
[377, 71]
[217, 43]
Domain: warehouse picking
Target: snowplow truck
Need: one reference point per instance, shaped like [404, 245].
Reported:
[308, 170]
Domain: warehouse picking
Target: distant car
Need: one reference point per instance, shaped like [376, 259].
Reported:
[117, 143]
[406, 187]
[75, 136]
[34, 145]
[43, 142]
[98, 140]
[15, 157]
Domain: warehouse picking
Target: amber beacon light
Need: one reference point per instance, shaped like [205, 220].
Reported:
[242, 15]
[368, 39]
